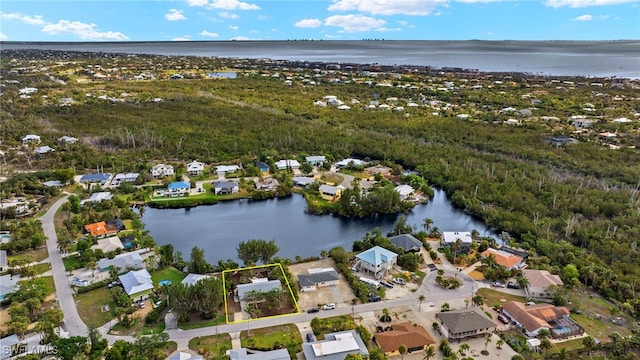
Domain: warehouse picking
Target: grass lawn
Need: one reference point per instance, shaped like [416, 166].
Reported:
[170, 347]
[71, 263]
[333, 179]
[570, 345]
[120, 329]
[40, 268]
[169, 273]
[36, 255]
[272, 338]
[89, 306]
[127, 224]
[332, 324]
[494, 297]
[598, 328]
[212, 344]
[202, 323]
[148, 330]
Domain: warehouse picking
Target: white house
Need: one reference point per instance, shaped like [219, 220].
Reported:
[315, 160]
[124, 178]
[347, 162]
[98, 197]
[108, 244]
[377, 260]
[450, 237]
[67, 140]
[137, 284]
[162, 170]
[317, 278]
[125, 261]
[227, 168]
[31, 138]
[191, 279]
[284, 164]
[195, 168]
[41, 150]
[404, 190]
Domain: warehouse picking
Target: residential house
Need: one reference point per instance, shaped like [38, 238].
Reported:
[161, 170]
[125, 261]
[41, 150]
[414, 337]
[261, 285]
[3, 260]
[19, 205]
[335, 346]
[182, 355]
[225, 169]
[178, 188]
[99, 229]
[195, 168]
[242, 354]
[191, 279]
[101, 178]
[348, 162]
[31, 139]
[124, 178]
[560, 140]
[404, 190]
[8, 346]
[541, 283]
[97, 197]
[464, 323]
[287, 164]
[108, 244]
[302, 181]
[582, 123]
[67, 140]
[8, 285]
[503, 258]
[377, 260]
[449, 238]
[406, 242]
[317, 278]
[137, 284]
[223, 187]
[330, 193]
[378, 170]
[115, 224]
[533, 318]
[52, 183]
[268, 184]
[315, 160]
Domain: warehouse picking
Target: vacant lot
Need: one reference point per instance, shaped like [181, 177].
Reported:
[211, 346]
[90, 306]
[497, 298]
[272, 338]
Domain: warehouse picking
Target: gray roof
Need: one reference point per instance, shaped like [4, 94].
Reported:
[3, 258]
[260, 286]
[137, 281]
[312, 279]
[464, 320]
[124, 261]
[8, 285]
[241, 354]
[407, 242]
[8, 343]
[329, 348]
[224, 184]
[191, 279]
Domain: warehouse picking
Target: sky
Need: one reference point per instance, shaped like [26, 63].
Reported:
[224, 20]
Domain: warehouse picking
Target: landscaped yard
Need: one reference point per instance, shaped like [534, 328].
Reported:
[40, 268]
[90, 306]
[172, 274]
[495, 298]
[271, 338]
[211, 345]
[34, 255]
[71, 263]
[570, 345]
[198, 323]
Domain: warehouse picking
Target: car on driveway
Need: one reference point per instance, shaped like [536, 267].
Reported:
[386, 284]
[309, 337]
[79, 282]
[432, 267]
[375, 298]
[329, 306]
[498, 284]
[400, 281]
[313, 310]
[141, 304]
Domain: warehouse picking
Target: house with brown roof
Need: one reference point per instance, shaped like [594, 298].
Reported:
[99, 229]
[464, 323]
[541, 283]
[533, 318]
[505, 259]
[415, 337]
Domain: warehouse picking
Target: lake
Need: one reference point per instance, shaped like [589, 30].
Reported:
[219, 228]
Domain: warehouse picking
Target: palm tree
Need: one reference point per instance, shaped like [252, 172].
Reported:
[546, 345]
[421, 298]
[563, 354]
[429, 352]
[487, 342]
[589, 342]
[499, 343]
[462, 350]
[456, 246]
[426, 224]
[402, 349]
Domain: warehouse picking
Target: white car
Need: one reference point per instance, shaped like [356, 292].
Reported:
[329, 306]
[400, 281]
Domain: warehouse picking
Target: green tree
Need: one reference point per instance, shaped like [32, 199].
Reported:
[429, 352]
[445, 307]
[546, 345]
[421, 299]
[166, 255]
[254, 250]
[69, 348]
[402, 349]
[589, 343]
[570, 275]
[207, 296]
[198, 264]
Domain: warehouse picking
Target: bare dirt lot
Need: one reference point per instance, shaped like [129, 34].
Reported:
[338, 294]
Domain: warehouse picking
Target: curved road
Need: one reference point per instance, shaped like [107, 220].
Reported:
[72, 322]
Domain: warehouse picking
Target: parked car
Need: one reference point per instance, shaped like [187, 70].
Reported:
[313, 310]
[141, 304]
[498, 284]
[503, 319]
[329, 306]
[400, 281]
[512, 285]
[432, 267]
[79, 282]
[386, 284]
[375, 298]
[309, 337]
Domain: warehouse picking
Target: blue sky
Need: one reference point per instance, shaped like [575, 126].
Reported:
[151, 20]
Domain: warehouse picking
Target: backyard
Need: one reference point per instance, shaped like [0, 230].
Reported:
[172, 274]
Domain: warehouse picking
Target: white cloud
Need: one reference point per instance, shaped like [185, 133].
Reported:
[585, 17]
[584, 3]
[82, 30]
[209, 34]
[181, 38]
[232, 5]
[227, 15]
[27, 19]
[233, 27]
[243, 38]
[388, 7]
[308, 23]
[477, 1]
[197, 2]
[2, 36]
[354, 23]
[175, 15]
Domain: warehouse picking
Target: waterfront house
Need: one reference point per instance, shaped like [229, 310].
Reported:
[223, 187]
[449, 238]
[378, 170]
[178, 188]
[108, 244]
[287, 164]
[161, 170]
[302, 181]
[242, 354]
[377, 260]
[99, 229]
[414, 337]
[98, 197]
[404, 190]
[541, 283]
[137, 284]
[330, 193]
[259, 285]
[464, 323]
[195, 168]
[406, 242]
[317, 278]
[124, 178]
[125, 261]
[268, 184]
[335, 346]
[536, 317]
[316, 160]
[503, 258]
[191, 279]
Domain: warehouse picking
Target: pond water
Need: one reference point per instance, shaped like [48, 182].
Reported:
[223, 75]
[219, 228]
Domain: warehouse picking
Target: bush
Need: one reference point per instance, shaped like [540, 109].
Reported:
[152, 317]
[95, 285]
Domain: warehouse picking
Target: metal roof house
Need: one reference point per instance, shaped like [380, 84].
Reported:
[242, 354]
[258, 285]
[377, 260]
[316, 279]
[137, 284]
[335, 346]
[406, 242]
[101, 178]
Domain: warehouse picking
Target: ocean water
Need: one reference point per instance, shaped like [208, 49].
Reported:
[555, 58]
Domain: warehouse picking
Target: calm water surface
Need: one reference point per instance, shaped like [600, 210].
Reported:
[219, 228]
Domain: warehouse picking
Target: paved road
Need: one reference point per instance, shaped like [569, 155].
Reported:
[72, 322]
